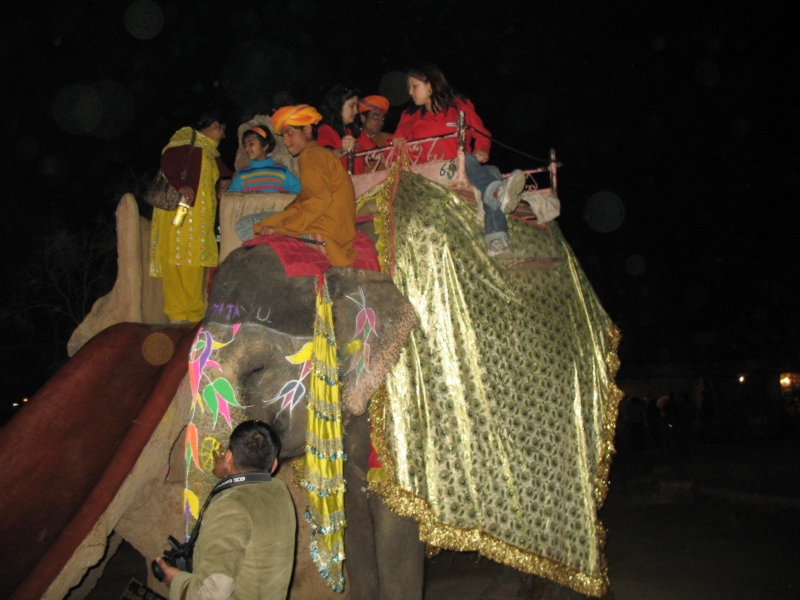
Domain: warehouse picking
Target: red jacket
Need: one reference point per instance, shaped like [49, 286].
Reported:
[173, 162]
[416, 126]
[365, 143]
[328, 138]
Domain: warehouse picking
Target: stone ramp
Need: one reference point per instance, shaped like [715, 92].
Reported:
[68, 453]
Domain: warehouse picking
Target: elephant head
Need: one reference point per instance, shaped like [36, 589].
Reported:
[252, 360]
[252, 356]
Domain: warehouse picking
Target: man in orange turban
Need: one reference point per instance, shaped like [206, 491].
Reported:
[372, 111]
[295, 116]
[325, 208]
[377, 103]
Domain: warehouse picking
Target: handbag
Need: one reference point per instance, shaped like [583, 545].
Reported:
[160, 193]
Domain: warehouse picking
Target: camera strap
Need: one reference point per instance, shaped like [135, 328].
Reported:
[228, 482]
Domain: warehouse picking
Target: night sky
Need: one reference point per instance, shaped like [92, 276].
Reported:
[681, 118]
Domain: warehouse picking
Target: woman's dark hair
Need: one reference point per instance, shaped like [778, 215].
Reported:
[266, 142]
[443, 96]
[254, 446]
[331, 109]
[208, 118]
[281, 99]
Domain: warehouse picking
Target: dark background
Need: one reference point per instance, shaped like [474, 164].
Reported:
[683, 115]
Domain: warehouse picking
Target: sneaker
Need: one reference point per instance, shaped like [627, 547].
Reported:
[499, 248]
[509, 191]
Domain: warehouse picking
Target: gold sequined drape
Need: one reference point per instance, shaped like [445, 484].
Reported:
[497, 422]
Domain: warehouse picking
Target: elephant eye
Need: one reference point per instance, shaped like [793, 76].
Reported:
[252, 373]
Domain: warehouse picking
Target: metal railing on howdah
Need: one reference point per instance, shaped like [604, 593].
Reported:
[386, 155]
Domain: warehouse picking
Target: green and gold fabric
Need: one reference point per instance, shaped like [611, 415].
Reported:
[496, 425]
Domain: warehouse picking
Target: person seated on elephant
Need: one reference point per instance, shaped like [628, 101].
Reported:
[325, 208]
[341, 128]
[262, 175]
[372, 114]
[434, 111]
[245, 547]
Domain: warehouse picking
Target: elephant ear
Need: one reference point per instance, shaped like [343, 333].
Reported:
[373, 321]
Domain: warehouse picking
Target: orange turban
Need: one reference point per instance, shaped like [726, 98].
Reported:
[377, 103]
[300, 116]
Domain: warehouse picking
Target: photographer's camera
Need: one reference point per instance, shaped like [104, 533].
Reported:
[180, 557]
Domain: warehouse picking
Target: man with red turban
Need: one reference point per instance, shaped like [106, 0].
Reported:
[325, 208]
[372, 111]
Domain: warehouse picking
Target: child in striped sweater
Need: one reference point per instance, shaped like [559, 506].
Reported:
[262, 175]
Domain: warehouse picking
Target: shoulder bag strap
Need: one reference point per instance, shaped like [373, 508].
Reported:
[228, 482]
[185, 173]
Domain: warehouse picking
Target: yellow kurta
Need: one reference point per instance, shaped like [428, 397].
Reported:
[194, 243]
[326, 205]
[191, 246]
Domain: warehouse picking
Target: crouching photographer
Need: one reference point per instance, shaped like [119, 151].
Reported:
[245, 546]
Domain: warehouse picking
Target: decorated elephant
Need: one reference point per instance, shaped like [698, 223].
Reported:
[490, 395]
[253, 358]
[493, 430]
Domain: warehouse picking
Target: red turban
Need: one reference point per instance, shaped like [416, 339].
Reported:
[377, 103]
[300, 116]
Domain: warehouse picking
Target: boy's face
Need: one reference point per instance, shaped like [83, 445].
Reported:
[253, 148]
[297, 138]
[372, 121]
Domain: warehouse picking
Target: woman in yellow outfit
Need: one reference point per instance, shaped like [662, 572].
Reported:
[179, 255]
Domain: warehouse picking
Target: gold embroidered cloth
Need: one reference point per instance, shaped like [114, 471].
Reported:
[498, 420]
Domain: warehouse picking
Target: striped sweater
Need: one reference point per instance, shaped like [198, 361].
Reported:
[266, 177]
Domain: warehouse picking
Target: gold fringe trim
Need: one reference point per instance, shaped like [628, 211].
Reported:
[298, 465]
[610, 414]
[382, 194]
[437, 534]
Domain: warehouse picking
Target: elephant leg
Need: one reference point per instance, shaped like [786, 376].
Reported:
[553, 591]
[307, 584]
[401, 556]
[385, 559]
[359, 537]
[510, 584]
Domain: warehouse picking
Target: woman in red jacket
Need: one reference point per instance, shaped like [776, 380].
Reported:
[434, 111]
[340, 125]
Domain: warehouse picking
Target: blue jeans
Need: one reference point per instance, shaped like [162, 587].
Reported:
[487, 179]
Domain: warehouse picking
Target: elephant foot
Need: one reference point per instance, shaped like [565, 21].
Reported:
[553, 591]
[510, 584]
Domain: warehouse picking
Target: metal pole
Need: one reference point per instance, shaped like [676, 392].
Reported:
[553, 169]
[462, 131]
[462, 146]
